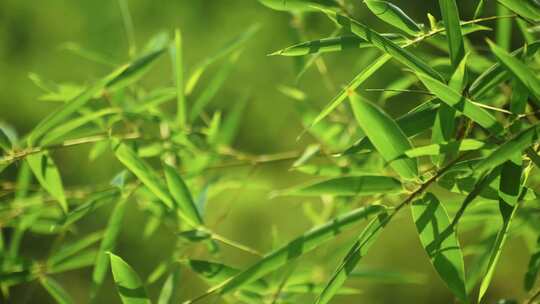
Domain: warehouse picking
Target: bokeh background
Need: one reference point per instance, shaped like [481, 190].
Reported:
[31, 34]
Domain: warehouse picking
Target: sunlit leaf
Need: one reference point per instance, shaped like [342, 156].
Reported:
[127, 282]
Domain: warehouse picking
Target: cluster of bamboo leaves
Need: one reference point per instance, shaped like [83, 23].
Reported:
[473, 134]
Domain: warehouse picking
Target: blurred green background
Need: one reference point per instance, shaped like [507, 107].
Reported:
[31, 34]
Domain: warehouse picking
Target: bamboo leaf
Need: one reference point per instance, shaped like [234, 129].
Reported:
[135, 70]
[524, 8]
[72, 249]
[107, 244]
[438, 149]
[461, 104]
[182, 195]
[360, 248]
[179, 77]
[170, 290]
[450, 15]
[384, 44]
[5, 142]
[351, 86]
[213, 87]
[497, 73]
[298, 5]
[224, 51]
[518, 69]
[413, 123]
[46, 172]
[348, 186]
[438, 238]
[507, 150]
[59, 294]
[394, 16]
[385, 134]
[295, 248]
[127, 282]
[143, 172]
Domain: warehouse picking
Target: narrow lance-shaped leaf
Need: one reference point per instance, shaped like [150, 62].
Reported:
[525, 8]
[143, 172]
[127, 282]
[107, 244]
[227, 49]
[171, 288]
[135, 70]
[59, 294]
[332, 44]
[46, 172]
[413, 123]
[348, 186]
[450, 14]
[445, 121]
[519, 70]
[385, 135]
[507, 150]
[394, 16]
[179, 77]
[438, 149]
[497, 73]
[213, 87]
[5, 142]
[73, 248]
[351, 86]
[360, 248]
[183, 198]
[438, 238]
[295, 248]
[57, 117]
[298, 5]
[384, 44]
[510, 187]
[461, 104]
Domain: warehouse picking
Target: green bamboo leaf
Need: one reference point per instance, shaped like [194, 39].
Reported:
[351, 86]
[413, 123]
[508, 213]
[83, 259]
[450, 15]
[518, 69]
[179, 77]
[232, 121]
[479, 9]
[348, 186]
[438, 238]
[438, 149]
[510, 181]
[298, 5]
[213, 87]
[385, 134]
[224, 51]
[65, 128]
[497, 73]
[135, 70]
[533, 269]
[170, 290]
[332, 44]
[59, 294]
[129, 285]
[47, 174]
[394, 16]
[295, 248]
[360, 248]
[143, 172]
[58, 117]
[444, 127]
[462, 104]
[107, 244]
[72, 249]
[507, 150]
[215, 273]
[5, 142]
[525, 8]
[182, 195]
[384, 44]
